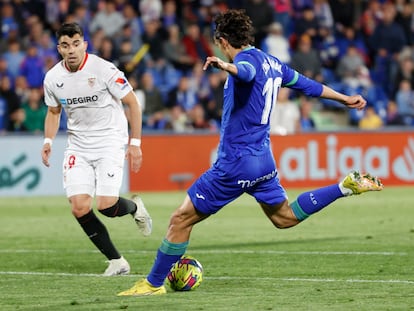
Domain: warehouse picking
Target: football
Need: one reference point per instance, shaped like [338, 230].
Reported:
[186, 274]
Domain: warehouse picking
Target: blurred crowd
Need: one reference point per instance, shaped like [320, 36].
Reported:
[354, 46]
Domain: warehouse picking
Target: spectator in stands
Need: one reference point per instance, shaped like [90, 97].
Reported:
[15, 113]
[198, 120]
[404, 17]
[170, 15]
[55, 10]
[96, 41]
[298, 6]
[125, 55]
[350, 66]
[198, 82]
[4, 69]
[213, 107]
[276, 44]
[108, 19]
[82, 16]
[32, 67]
[178, 120]
[305, 59]
[405, 102]
[183, 95]
[35, 112]
[323, 14]
[47, 46]
[8, 21]
[196, 45]
[344, 13]
[35, 32]
[153, 36]
[285, 115]
[370, 120]
[370, 18]
[261, 14]
[306, 122]
[175, 51]
[307, 24]
[328, 52]
[282, 15]
[154, 115]
[150, 9]
[21, 88]
[394, 117]
[386, 42]
[133, 26]
[349, 36]
[14, 56]
[404, 71]
[107, 50]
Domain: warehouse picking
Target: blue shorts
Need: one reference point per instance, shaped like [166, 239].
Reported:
[225, 182]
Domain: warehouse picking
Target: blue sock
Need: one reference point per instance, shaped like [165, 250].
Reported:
[311, 202]
[167, 255]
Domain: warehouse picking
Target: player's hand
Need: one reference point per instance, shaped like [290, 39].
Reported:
[46, 151]
[356, 101]
[214, 62]
[134, 154]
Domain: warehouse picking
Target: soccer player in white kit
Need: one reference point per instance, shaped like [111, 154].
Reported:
[92, 91]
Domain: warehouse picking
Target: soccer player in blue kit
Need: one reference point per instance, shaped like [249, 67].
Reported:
[245, 163]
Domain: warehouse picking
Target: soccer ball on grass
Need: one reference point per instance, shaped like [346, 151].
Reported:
[186, 274]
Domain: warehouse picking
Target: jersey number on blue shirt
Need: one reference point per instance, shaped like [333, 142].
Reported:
[270, 91]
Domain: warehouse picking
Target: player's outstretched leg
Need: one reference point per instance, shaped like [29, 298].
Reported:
[117, 267]
[357, 183]
[142, 217]
[143, 288]
[354, 183]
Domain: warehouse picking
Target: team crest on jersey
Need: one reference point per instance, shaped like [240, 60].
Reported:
[122, 82]
[91, 81]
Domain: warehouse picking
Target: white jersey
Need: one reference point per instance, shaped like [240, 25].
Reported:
[91, 98]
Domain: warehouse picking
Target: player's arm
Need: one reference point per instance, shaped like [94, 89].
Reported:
[242, 70]
[52, 122]
[354, 101]
[310, 87]
[134, 152]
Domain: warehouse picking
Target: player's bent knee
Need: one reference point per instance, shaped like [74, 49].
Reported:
[79, 212]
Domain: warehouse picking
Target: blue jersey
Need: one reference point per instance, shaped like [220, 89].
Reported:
[249, 98]
[245, 162]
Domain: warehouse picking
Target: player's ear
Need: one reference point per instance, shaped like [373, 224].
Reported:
[221, 41]
[85, 45]
[58, 49]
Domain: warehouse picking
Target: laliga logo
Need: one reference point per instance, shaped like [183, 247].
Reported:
[305, 162]
[403, 166]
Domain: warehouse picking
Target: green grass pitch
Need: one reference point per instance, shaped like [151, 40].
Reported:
[357, 254]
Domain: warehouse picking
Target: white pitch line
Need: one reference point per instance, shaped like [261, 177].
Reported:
[270, 252]
[217, 278]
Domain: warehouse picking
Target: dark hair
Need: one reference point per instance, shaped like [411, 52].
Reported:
[69, 29]
[235, 26]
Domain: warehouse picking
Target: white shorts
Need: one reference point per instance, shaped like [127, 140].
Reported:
[93, 173]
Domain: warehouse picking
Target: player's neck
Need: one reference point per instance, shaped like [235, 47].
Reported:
[234, 51]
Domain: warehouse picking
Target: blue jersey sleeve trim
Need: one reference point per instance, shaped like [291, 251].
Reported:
[294, 80]
[306, 85]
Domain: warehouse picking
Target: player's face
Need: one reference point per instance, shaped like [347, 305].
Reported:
[72, 50]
